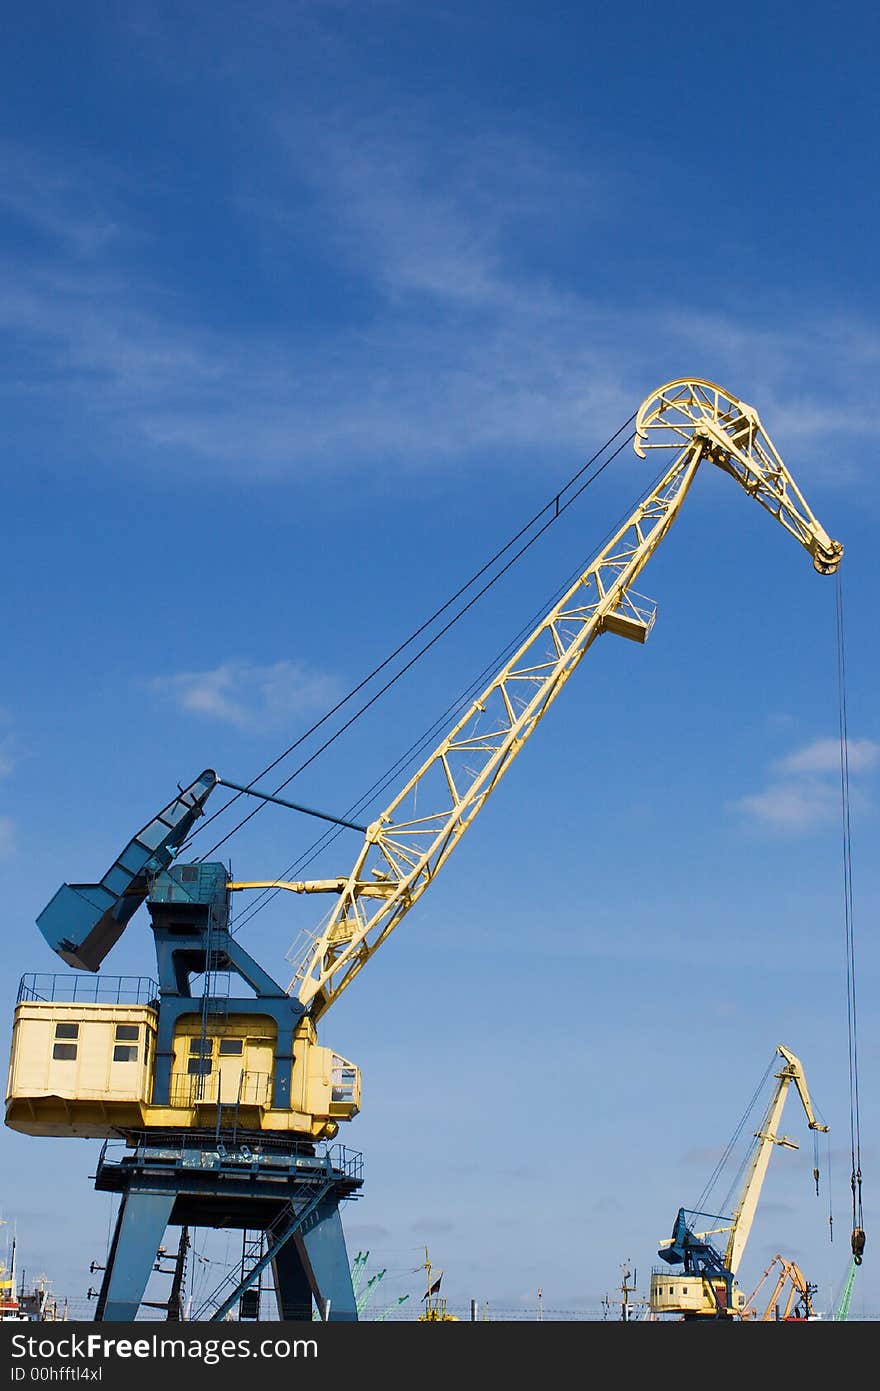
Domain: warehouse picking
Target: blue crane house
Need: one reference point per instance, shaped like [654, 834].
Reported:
[221, 1106]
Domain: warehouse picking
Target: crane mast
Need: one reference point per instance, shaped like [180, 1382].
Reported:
[691, 419]
[789, 1273]
[767, 1137]
[707, 1287]
[464, 769]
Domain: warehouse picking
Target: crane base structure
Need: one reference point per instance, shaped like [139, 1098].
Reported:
[706, 1287]
[285, 1195]
[217, 1110]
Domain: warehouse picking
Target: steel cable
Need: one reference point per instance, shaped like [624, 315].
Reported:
[406, 759]
[558, 508]
[849, 932]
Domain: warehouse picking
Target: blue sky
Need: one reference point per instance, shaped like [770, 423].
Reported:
[306, 308]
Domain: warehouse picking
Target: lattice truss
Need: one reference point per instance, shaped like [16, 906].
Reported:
[736, 441]
[414, 836]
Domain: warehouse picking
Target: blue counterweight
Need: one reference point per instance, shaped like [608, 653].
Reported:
[84, 921]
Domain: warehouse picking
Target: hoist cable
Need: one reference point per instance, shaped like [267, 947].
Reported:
[849, 930]
[553, 502]
[830, 1188]
[557, 513]
[406, 759]
[731, 1144]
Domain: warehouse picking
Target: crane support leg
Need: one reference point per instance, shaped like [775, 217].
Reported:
[320, 1248]
[286, 1193]
[292, 1288]
[140, 1227]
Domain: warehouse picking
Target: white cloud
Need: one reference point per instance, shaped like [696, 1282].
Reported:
[55, 200]
[804, 789]
[250, 696]
[790, 806]
[7, 838]
[823, 756]
[464, 348]
[8, 743]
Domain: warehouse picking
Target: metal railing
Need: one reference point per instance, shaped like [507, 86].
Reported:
[200, 1149]
[88, 989]
[345, 1081]
[245, 1089]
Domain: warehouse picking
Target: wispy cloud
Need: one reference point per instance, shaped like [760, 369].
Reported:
[368, 1231]
[823, 756]
[7, 760]
[8, 745]
[804, 787]
[250, 696]
[432, 1224]
[7, 838]
[790, 806]
[55, 200]
[462, 345]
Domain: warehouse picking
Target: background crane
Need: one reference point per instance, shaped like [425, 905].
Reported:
[707, 1286]
[841, 1312]
[799, 1297]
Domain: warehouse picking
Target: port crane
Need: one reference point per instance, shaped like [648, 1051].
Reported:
[214, 1110]
[841, 1313]
[706, 1286]
[798, 1302]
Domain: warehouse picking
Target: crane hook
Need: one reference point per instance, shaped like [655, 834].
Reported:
[858, 1244]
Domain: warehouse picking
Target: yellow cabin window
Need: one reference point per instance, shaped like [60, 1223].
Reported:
[231, 1047]
[65, 1052]
[203, 1046]
[127, 1033]
[199, 1067]
[125, 1053]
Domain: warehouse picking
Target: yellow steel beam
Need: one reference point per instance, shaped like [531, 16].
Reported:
[693, 420]
[767, 1136]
